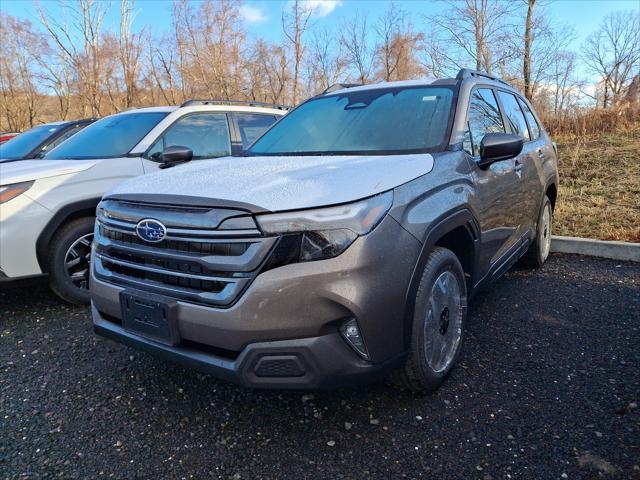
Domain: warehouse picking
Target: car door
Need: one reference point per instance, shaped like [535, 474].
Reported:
[529, 195]
[497, 185]
[205, 133]
[541, 151]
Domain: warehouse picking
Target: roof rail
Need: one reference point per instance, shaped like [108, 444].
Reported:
[467, 72]
[340, 86]
[248, 103]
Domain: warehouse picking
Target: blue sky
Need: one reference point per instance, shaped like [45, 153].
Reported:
[263, 16]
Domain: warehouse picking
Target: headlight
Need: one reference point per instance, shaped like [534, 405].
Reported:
[324, 232]
[8, 192]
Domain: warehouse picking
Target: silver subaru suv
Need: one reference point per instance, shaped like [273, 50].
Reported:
[342, 247]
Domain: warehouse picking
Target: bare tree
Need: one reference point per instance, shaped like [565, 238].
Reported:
[129, 52]
[475, 30]
[565, 86]
[526, 58]
[268, 73]
[613, 53]
[327, 62]
[295, 23]
[398, 45]
[19, 95]
[80, 45]
[358, 53]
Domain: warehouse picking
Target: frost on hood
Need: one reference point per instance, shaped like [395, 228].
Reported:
[286, 182]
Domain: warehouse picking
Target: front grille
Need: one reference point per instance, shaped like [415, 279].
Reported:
[197, 262]
[179, 246]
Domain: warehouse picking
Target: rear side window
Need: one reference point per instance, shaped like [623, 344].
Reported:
[534, 128]
[251, 126]
[514, 114]
[206, 134]
[484, 117]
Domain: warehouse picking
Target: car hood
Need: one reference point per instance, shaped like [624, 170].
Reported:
[27, 170]
[283, 182]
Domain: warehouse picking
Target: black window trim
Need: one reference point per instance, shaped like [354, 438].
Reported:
[161, 135]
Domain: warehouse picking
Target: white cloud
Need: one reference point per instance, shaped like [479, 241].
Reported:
[323, 7]
[252, 14]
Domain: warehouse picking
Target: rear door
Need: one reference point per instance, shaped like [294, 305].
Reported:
[541, 152]
[525, 164]
[497, 185]
[205, 133]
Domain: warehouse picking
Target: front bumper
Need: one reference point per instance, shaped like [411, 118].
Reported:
[307, 363]
[22, 219]
[294, 310]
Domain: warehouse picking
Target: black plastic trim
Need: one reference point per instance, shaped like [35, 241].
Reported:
[60, 217]
[461, 217]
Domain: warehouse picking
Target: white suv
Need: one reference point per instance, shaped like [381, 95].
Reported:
[47, 206]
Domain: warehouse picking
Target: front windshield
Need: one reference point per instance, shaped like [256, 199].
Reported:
[374, 121]
[112, 136]
[23, 144]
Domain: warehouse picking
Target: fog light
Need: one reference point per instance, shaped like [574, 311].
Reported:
[351, 333]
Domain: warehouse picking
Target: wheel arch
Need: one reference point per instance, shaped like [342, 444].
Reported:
[457, 231]
[551, 191]
[72, 211]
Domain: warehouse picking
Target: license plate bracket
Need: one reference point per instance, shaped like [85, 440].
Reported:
[151, 316]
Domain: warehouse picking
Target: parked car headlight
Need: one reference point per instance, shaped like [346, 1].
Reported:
[8, 192]
[327, 232]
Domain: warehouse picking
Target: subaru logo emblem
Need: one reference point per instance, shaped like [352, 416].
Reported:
[151, 230]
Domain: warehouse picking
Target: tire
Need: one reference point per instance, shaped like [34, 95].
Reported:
[439, 316]
[69, 254]
[538, 251]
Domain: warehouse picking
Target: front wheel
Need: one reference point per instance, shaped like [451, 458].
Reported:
[438, 324]
[69, 260]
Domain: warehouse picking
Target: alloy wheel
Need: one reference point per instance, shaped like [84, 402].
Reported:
[77, 261]
[443, 325]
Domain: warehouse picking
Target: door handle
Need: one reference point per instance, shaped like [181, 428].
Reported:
[541, 154]
[517, 167]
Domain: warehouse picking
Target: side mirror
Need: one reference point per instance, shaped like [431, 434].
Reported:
[499, 146]
[174, 155]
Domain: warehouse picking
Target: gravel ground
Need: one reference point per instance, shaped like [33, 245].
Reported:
[547, 388]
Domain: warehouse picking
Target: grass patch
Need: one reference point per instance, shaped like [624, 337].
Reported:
[599, 191]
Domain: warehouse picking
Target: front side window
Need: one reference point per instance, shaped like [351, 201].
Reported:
[372, 121]
[252, 125]
[484, 117]
[26, 142]
[514, 114]
[534, 128]
[206, 134]
[110, 137]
